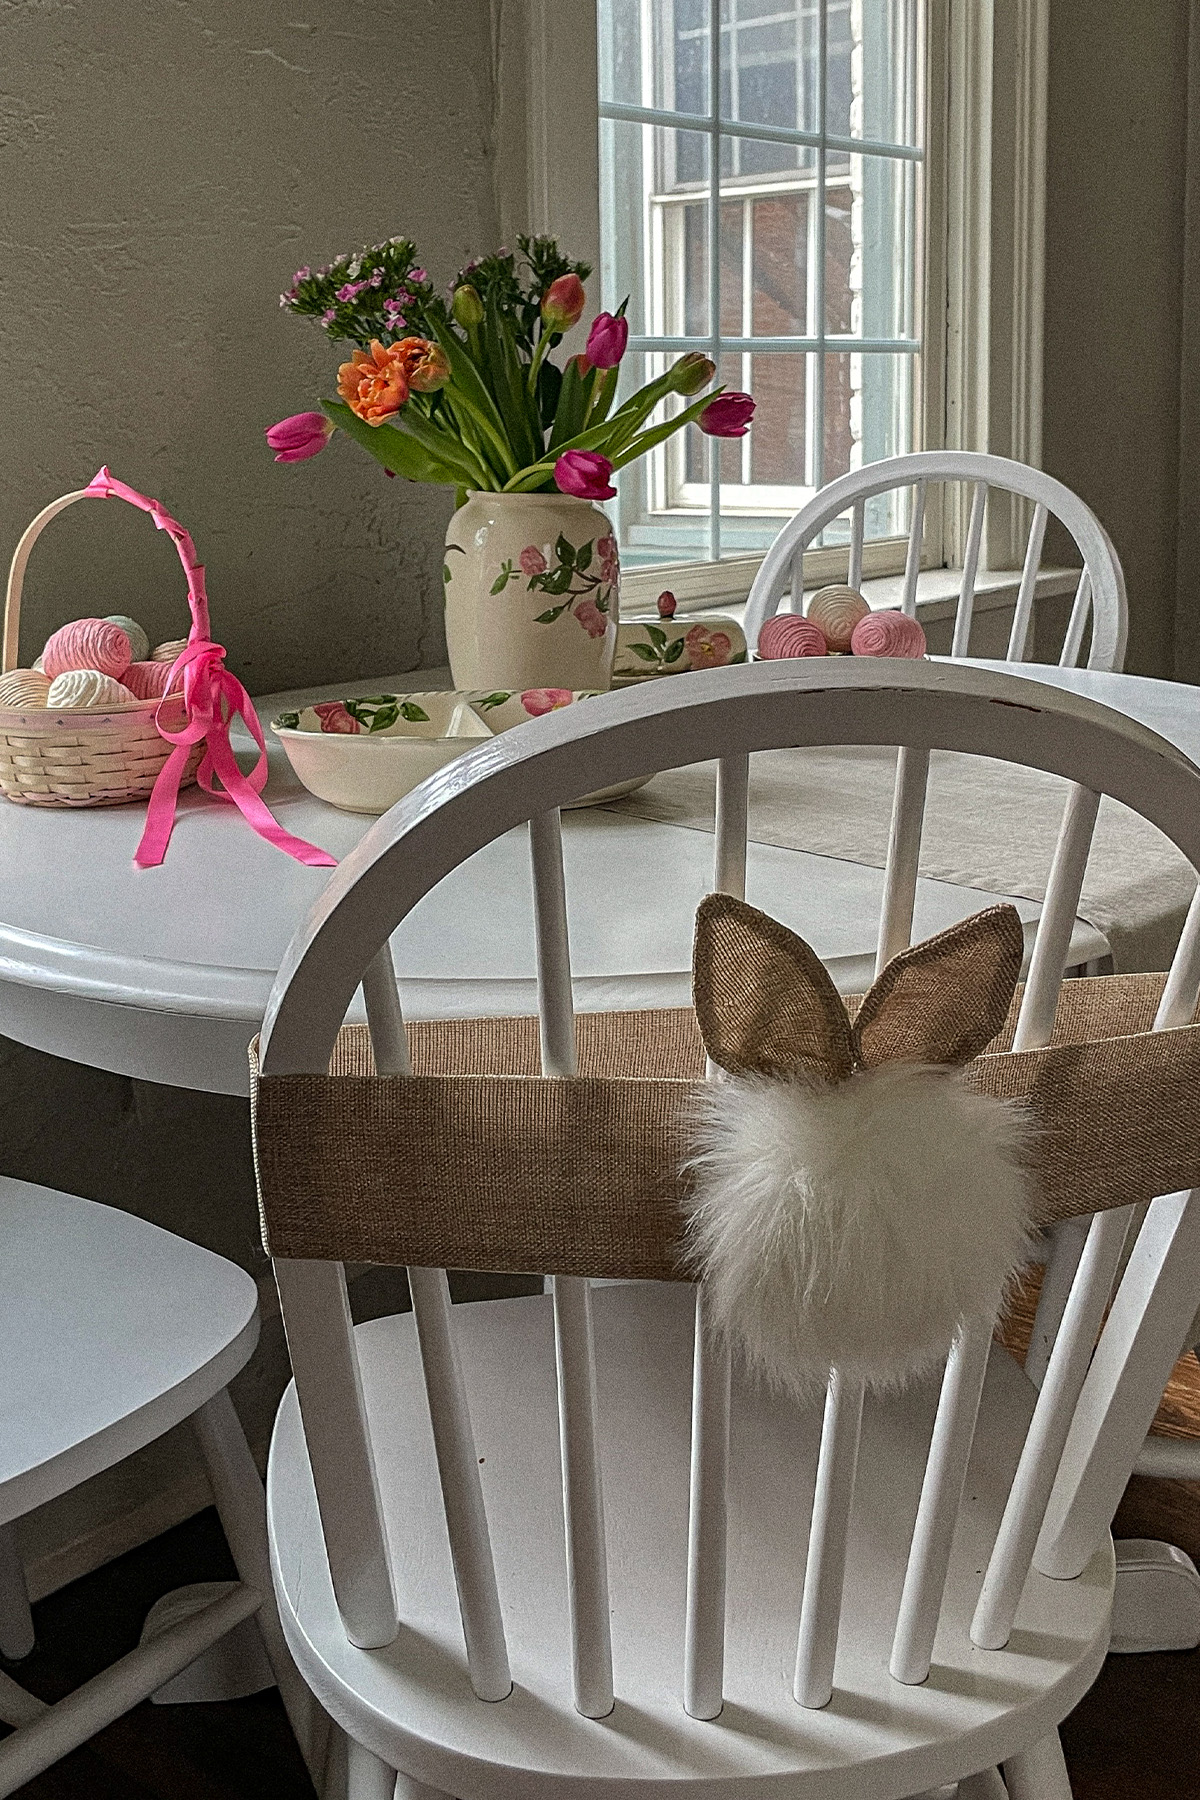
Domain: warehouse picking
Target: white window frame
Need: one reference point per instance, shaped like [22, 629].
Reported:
[983, 251]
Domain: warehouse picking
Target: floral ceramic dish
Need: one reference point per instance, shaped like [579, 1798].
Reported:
[363, 754]
[647, 649]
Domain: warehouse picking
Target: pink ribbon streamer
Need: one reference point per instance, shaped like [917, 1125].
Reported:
[212, 699]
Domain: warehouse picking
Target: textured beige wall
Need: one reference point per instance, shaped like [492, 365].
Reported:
[163, 169]
[1114, 258]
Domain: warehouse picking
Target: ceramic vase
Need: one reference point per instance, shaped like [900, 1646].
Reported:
[531, 593]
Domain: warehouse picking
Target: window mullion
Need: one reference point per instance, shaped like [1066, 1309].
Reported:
[714, 261]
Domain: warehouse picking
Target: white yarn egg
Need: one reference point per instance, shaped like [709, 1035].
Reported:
[139, 641]
[87, 687]
[24, 688]
[168, 652]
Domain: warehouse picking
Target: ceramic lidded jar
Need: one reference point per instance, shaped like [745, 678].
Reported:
[531, 593]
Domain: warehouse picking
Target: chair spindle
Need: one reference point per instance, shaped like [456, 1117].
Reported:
[858, 520]
[1012, 1554]
[316, 1318]
[912, 565]
[961, 643]
[704, 1635]
[941, 1497]
[462, 1494]
[903, 854]
[824, 1575]
[583, 1494]
[1081, 607]
[385, 1020]
[1060, 909]
[1022, 625]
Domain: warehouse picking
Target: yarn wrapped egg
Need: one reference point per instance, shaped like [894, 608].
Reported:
[837, 610]
[139, 642]
[148, 680]
[24, 688]
[169, 651]
[787, 634]
[888, 634]
[87, 644]
[87, 687]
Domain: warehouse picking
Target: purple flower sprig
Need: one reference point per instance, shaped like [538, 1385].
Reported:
[378, 293]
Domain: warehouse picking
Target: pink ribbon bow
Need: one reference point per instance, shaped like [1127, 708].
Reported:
[212, 699]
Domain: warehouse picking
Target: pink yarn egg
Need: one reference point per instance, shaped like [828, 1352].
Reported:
[148, 680]
[888, 634]
[837, 610]
[787, 634]
[87, 644]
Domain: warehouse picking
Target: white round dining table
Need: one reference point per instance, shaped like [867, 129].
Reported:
[163, 974]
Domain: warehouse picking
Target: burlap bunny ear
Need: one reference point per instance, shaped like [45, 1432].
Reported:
[945, 999]
[764, 1001]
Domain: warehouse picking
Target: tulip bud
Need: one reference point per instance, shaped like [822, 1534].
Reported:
[692, 372]
[584, 473]
[301, 436]
[562, 303]
[728, 415]
[467, 307]
[607, 340]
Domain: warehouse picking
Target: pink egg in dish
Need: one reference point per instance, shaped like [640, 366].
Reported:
[148, 680]
[787, 634]
[888, 634]
[87, 644]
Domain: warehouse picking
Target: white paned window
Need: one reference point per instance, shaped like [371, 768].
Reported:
[761, 175]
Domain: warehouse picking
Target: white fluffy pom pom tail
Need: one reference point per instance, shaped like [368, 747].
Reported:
[856, 1225]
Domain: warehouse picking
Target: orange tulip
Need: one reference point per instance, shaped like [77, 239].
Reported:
[426, 364]
[375, 382]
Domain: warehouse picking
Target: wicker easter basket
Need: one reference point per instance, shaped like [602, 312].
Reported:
[82, 756]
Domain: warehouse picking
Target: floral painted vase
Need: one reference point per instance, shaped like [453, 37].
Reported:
[531, 593]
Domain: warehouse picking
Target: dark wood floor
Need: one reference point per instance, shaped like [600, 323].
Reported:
[1135, 1736]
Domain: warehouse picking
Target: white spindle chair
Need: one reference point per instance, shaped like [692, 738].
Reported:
[1100, 593]
[1099, 596]
[682, 1602]
[111, 1332]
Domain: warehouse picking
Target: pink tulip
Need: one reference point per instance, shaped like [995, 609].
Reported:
[300, 437]
[729, 415]
[584, 473]
[562, 303]
[607, 340]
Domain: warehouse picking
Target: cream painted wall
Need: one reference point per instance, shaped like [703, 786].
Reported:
[163, 169]
[1114, 261]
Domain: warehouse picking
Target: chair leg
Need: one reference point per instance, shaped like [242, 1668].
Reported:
[241, 1504]
[987, 1785]
[1039, 1773]
[367, 1778]
[16, 1622]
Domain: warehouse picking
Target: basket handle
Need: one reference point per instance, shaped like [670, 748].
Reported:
[103, 486]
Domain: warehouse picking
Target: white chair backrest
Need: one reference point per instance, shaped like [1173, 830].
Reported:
[526, 776]
[1100, 592]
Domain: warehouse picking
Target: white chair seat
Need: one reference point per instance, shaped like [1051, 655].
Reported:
[111, 1331]
[412, 1703]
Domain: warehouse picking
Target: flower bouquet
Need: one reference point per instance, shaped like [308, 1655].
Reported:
[464, 390]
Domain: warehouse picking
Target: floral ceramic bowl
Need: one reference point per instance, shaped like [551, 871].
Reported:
[363, 754]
